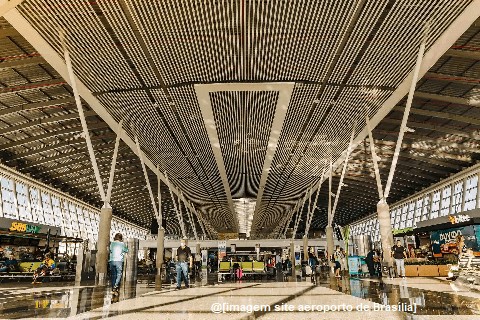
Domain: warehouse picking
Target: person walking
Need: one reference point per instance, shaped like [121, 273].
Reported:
[337, 257]
[399, 253]
[118, 249]
[184, 258]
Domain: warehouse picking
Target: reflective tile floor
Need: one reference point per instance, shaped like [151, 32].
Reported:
[346, 298]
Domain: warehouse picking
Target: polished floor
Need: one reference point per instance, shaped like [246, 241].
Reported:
[346, 298]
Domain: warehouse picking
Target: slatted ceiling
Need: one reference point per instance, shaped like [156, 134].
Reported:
[10, 78]
[78, 19]
[244, 146]
[256, 50]
[189, 111]
[117, 19]
[409, 25]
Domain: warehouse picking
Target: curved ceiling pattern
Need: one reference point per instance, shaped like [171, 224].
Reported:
[142, 59]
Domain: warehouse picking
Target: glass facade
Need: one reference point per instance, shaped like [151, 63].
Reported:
[32, 202]
[461, 194]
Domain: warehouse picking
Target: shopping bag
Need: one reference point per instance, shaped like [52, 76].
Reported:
[308, 270]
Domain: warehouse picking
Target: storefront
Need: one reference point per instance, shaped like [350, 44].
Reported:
[26, 241]
[445, 233]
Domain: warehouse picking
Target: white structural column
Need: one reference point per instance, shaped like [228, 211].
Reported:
[191, 219]
[7, 5]
[299, 215]
[329, 228]
[374, 158]
[329, 211]
[383, 210]
[403, 125]
[344, 170]
[330, 245]
[160, 237]
[73, 84]
[386, 235]
[179, 214]
[200, 221]
[145, 174]
[114, 163]
[106, 211]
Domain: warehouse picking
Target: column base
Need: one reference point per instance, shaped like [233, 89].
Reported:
[101, 279]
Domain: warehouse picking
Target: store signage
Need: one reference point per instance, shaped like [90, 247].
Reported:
[450, 236]
[404, 230]
[446, 241]
[23, 227]
[459, 219]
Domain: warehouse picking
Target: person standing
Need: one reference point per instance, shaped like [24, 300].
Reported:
[399, 253]
[118, 249]
[337, 258]
[184, 258]
[370, 263]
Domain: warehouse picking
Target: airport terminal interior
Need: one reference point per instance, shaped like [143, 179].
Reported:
[240, 159]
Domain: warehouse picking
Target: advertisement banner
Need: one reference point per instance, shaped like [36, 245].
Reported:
[222, 249]
[446, 241]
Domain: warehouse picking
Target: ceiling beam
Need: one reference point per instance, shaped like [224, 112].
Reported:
[37, 105]
[32, 86]
[431, 127]
[37, 122]
[448, 99]
[449, 78]
[50, 134]
[441, 115]
[61, 156]
[464, 54]
[51, 147]
[6, 64]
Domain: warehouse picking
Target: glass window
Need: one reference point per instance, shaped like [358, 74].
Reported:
[426, 207]
[47, 209]
[435, 204]
[24, 209]
[36, 204]
[403, 219]
[457, 197]
[57, 213]
[418, 210]
[471, 192]
[446, 198]
[410, 214]
[8, 199]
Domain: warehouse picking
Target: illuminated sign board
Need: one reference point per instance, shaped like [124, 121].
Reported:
[459, 219]
[23, 227]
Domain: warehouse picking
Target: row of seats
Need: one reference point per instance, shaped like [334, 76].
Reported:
[251, 266]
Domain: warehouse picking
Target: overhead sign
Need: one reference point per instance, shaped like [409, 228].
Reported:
[14, 225]
[23, 227]
[459, 218]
